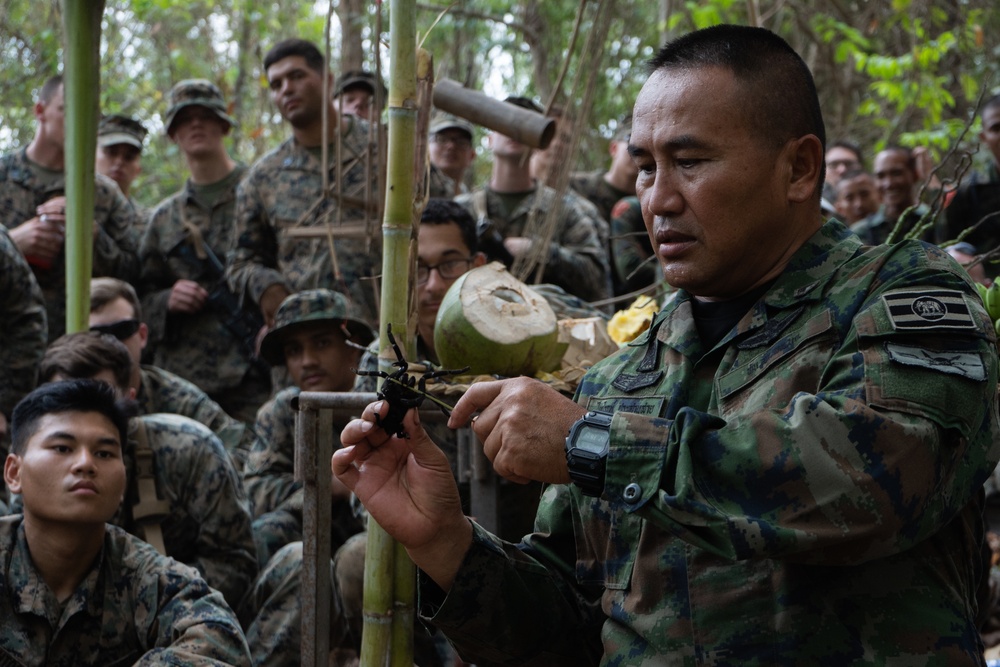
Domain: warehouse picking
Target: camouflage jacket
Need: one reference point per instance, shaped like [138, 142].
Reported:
[592, 187]
[208, 526]
[134, 607]
[283, 190]
[806, 492]
[198, 347]
[876, 227]
[162, 391]
[23, 328]
[633, 264]
[269, 477]
[21, 192]
[578, 256]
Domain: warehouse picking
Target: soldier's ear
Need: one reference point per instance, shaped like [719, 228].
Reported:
[12, 473]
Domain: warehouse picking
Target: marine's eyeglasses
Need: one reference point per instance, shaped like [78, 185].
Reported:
[121, 330]
[449, 270]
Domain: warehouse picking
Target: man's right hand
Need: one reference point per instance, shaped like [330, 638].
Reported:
[408, 488]
[186, 296]
[39, 237]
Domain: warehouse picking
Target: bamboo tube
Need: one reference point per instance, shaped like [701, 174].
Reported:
[82, 81]
[382, 642]
[522, 125]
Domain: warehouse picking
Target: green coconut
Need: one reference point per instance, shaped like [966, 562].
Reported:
[495, 324]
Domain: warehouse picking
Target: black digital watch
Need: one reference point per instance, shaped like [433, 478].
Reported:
[587, 448]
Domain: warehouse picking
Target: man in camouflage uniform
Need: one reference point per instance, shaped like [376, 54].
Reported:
[896, 178]
[354, 94]
[119, 157]
[33, 209]
[184, 493]
[319, 337]
[604, 188]
[23, 331]
[787, 466]
[199, 330]
[74, 590]
[284, 191]
[451, 155]
[514, 209]
[115, 310]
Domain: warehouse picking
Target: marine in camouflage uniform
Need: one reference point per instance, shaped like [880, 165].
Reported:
[201, 346]
[23, 187]
[806, 492]
[577, 260]
[23, 333]
[325, 320]
[284, 190]
[208, 526]
[119, 153]
[135, 607]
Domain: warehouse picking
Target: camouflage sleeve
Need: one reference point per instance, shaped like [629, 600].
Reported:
[269, 476]
[185, 622]
[578, 261]
[369, 362]
[115, 253]
[155, 278]
[898, 435]
[632, 257]
[520, 605]
[23, 332]
[252, 264]
[210, 496]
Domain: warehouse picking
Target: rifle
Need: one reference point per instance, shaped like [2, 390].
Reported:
[242, 323]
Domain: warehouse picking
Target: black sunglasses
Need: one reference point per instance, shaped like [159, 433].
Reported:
[120, 330]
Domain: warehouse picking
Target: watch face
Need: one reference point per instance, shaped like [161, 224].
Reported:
[591, 439]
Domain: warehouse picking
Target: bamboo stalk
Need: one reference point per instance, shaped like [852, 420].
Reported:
[81, 82]
[386, 608]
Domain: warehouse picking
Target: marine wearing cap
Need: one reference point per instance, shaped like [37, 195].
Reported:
[318, 305]
[118, 128]
[196, 92]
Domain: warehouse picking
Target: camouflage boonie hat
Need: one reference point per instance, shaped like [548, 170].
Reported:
[448, 122]
[199, 92]
[317, 305]
[116, 128]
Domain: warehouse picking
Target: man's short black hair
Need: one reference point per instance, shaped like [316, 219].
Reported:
[67, 396]
[911, 161]
[445, 211]
[781, 98]
[295, 47]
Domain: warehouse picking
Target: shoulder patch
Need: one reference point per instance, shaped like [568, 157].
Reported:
[965, 364]
[925, 310]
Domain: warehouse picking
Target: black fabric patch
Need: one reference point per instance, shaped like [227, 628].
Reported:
[629, 382]
[937, 309]
[771, 330]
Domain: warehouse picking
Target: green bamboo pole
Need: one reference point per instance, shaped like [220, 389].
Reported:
[387, 637]
[81, 83]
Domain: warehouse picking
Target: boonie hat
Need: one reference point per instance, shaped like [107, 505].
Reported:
[196, 92]
[446, 121]
[317, 305]
[117, 128]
